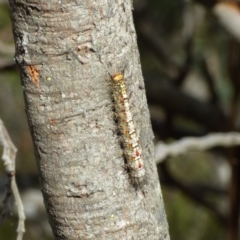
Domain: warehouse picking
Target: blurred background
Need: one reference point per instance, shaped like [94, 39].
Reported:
[190, 55]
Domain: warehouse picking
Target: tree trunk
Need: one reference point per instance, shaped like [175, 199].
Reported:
[68, 53]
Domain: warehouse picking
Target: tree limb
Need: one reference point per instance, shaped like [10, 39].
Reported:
[192, 143]
[8, 157]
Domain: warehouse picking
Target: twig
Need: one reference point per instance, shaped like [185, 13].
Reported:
[4, 2]
[210, 81]
[6, 48]
[8, 157]
[6, 65]
[228, 13]
[171, 99]
[192, 143]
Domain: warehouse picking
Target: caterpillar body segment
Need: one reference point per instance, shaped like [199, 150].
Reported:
[130, 140]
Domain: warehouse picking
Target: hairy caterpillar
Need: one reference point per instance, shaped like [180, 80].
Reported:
[130, 140]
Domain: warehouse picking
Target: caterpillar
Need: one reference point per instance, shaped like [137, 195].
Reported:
[130, 140]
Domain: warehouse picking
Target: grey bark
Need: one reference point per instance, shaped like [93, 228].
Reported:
[67, 51]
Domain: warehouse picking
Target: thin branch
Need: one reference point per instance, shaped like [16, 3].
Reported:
[171, 99]
[193, 143]
[6, 48]
[228, 14]
[8, 157]
[210, 81]
[6, 65]
[6, 202]
[3, 2]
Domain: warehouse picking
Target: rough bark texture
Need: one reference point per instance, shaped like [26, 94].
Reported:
[67, 51]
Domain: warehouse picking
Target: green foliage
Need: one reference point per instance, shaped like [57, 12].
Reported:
[188, 221]
[4, 16]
